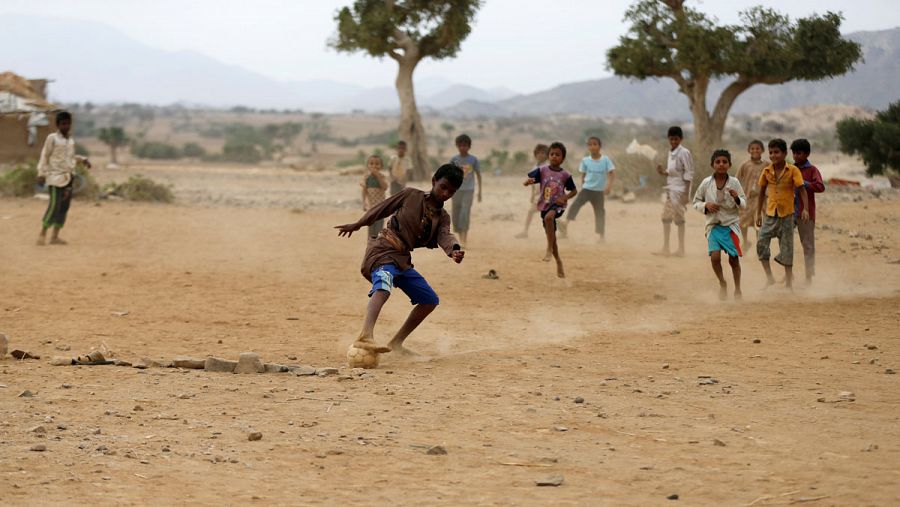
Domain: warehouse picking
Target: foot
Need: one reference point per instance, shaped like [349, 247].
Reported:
[738, 295]
[560, 272]
[679, 253]
[723, 292]
[600, 240]
[547, 257]
[770, 281]
[663, 253]
[522, 235]
[404, 351]
[57, 241]
[41, 241]
[370, 344]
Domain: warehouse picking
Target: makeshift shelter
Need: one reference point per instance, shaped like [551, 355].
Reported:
[26, 118]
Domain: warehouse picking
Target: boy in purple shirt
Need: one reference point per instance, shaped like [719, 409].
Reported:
[554, 181]
[812, 185]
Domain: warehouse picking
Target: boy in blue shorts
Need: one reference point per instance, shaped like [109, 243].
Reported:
[555, 182]
[415, 219]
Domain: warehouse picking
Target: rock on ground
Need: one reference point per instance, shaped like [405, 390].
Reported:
[249, 362]
[219, 365]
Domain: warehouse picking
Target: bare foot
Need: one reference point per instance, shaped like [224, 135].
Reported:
[738, 295]
[679, 253]
[404, 351]
[57, 241]
[723, 292]
[521, 235]
[371, 345]
[662, 253]
[547, 257]
[41, 241]
[560, 272]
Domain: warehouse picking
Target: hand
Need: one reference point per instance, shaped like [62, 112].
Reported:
[457, 256]
[712, 207]
[659, 169]
[804, 216]
[733, 193]
[758, 220]
[347, 229]
[87, 163]
[41, 180]
[528, 182]
[607, 190]
[562, 200]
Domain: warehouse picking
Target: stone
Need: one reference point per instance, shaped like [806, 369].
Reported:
[38, 448]
[324, 372]
[219, 365]
[26, 394]
[718, 442]
[436, 450]
[553, 480]
[276, 368]
[37, 429]
[249, 362]
[846, 396]
[120, 362]
[61, 361]
[303, 370]
[889, 371]
[254, 436]
[579, 399]
[23, 354]
[138, 408]
[673, 496]
[757, 340]
[156, 363]
[189, 363]
[4, 345]
[707, 381]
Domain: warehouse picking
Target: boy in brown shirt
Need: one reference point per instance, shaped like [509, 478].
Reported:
[748, 175]
[417, 219]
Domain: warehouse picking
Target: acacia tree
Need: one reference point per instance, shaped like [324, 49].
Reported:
[407, 31]
[877, 140]
[669, 40]
[114, 137]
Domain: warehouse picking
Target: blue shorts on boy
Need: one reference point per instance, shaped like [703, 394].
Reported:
[414, 285]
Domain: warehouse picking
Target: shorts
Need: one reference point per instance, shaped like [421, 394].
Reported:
[722, 237]
[783, 229]
[559, 213]
[414, 285]
[673, 209]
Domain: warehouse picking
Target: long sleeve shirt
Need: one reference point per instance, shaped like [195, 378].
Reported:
[728, 214]
[812, 184]
[412, 224]
[58, 160]
[679, 170]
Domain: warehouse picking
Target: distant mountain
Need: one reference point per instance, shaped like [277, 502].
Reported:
[95, 62]
[873, 84]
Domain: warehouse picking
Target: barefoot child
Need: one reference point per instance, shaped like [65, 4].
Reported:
[374, 185]
[679, 173]
[540, 159]
[778, 182]
[719, 197]
[417, 219]
[597, 175]
[748, 175]
[462, 200]
[813, 184]
[56, 167]
[399, 168]
[554, 181]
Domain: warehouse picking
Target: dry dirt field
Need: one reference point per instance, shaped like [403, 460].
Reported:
[245, 263]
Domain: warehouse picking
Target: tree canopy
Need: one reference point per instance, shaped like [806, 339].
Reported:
[877, 140]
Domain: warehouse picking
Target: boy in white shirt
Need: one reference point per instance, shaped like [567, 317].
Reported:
[679, 174]
[56, 167]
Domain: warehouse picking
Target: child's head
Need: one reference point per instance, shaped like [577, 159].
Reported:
[777, 150]
[540, 153]
[463, 144]
[374, 163]
[446, 181]
[800, 149]
[557, 153]
[401, 148]
[720, 161]
[675, 135]
[593, 144]
[64, 122]
[755, 149]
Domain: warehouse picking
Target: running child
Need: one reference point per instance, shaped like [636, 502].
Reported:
[374, 185]
[399, 168]
[778, 182]
[597, 175]
[679, 173]
[462, 201]
[813, 184]
[720, 197]
[748, 175]
[56, 167]
[417, 219]
[554, 182]
[540, 159]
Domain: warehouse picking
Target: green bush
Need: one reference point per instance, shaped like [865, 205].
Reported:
[155, 150]
[243, 151]
[139, 188]
[80, 149]
[20, 181]
[193, 150]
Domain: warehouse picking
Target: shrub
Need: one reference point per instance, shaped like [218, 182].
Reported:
[20, 181]
[193, 150]
[243, 151]
[155, 151]
[139, 188]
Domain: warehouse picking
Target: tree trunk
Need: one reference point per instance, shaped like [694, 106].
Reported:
[411, 129]
[112, 154]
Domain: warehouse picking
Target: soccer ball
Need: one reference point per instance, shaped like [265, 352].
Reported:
[362, 358]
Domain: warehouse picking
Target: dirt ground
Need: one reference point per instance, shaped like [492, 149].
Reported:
[635, 336]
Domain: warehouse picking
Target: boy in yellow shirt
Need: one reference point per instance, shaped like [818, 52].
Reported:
[778, 221]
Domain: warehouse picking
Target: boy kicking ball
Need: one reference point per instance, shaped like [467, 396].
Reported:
[417, 219]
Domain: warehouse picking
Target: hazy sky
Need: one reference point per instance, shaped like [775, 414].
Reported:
[525, 45]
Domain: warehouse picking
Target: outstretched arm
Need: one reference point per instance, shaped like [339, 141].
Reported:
[381, 210]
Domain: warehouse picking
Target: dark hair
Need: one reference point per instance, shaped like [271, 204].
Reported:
[452, 172]
[464, 139]
[560, 146]
[63, 116]
[781, 144]
[675, 131]
[721, 152]
[801, 145]
[542, 148]
[595, 138]
[375, 156]
[756, 142]
[401, 143]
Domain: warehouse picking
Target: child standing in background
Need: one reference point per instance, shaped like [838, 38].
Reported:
[56, 167]
[679, 173]
[597, 175]
[374, 185]
[540, 160]
[812, 185]
[748, 175]
[399, 168]
[462, 200]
